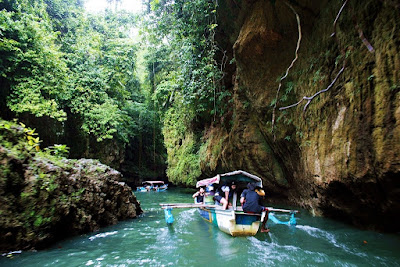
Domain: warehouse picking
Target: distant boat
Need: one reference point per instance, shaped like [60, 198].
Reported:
[233, 220]
[157, 186]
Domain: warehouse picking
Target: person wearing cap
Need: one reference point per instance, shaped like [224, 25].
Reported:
[250, 200]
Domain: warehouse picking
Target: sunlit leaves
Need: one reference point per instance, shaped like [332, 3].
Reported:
[58, 59]
[31, 61]
[102, 61]
[102, 119]
[28, 98]
[188, 26]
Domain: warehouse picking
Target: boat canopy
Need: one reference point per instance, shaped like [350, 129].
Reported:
[236, 176]
[153, 182]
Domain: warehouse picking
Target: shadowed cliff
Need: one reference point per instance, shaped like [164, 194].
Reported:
[339, 155]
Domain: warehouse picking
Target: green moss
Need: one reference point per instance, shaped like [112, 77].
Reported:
[276, 169]
[182, 145]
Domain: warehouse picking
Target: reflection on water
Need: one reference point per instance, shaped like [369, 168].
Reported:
[190, 241]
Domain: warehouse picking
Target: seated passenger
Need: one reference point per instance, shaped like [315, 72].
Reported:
[199, 196]
[250, 201]
[222, 196]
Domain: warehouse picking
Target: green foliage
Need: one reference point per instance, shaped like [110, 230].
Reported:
[67, 65]
[180, 141]
[184, 43]
[31, 137]
[17, 137]
[58, 150]
[30, 59]
[102, 64]
[184, 78]
[47, 182]
[63, 64]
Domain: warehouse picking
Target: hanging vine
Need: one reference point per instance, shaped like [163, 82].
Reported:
[290, 66]
[343, 55]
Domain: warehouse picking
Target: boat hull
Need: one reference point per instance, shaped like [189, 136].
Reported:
[234, 223]
[162, 188]
[152, 188]
[141, 189]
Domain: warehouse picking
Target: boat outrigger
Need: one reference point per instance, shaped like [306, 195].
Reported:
[233, 220]
[152, 186]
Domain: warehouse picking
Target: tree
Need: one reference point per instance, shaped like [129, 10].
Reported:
[184, 78]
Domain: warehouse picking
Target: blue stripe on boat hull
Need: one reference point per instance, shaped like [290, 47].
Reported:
[206, 214]
[246, 219]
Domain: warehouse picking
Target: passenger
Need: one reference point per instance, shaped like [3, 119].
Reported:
[227, 191]
[250, 201]
[221, 196]
[232, 191]
[199, 196]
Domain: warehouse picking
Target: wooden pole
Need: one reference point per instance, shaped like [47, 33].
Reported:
[192, 205]
[185, 205]
[282, 210]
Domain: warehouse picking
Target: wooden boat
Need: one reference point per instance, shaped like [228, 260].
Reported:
[233, 220]
[147, 186]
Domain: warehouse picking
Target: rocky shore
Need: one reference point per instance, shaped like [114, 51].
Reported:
[45, 198]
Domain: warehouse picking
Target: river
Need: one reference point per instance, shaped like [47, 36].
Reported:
[191, 241]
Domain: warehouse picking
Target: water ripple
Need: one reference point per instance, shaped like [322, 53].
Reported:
[322, 234]
[102, 235]
[191, 241]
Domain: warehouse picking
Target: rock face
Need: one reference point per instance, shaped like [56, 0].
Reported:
[341, 156]
[44, 199]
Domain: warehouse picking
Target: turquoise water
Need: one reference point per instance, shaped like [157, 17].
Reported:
[191, 241]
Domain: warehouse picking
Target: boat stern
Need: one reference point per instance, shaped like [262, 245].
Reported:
[237, 223]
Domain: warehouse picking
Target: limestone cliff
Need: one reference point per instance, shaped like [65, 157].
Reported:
[341, 156]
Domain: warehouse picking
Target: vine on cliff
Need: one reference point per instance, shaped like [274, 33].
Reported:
[344, 55]
[290, 66]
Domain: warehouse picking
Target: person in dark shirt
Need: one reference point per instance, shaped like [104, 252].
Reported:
[232, 191]
[226, 191]
[221, 196]
[250, 201]
[199, 196]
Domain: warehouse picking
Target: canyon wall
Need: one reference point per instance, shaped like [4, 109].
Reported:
[338, 156]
